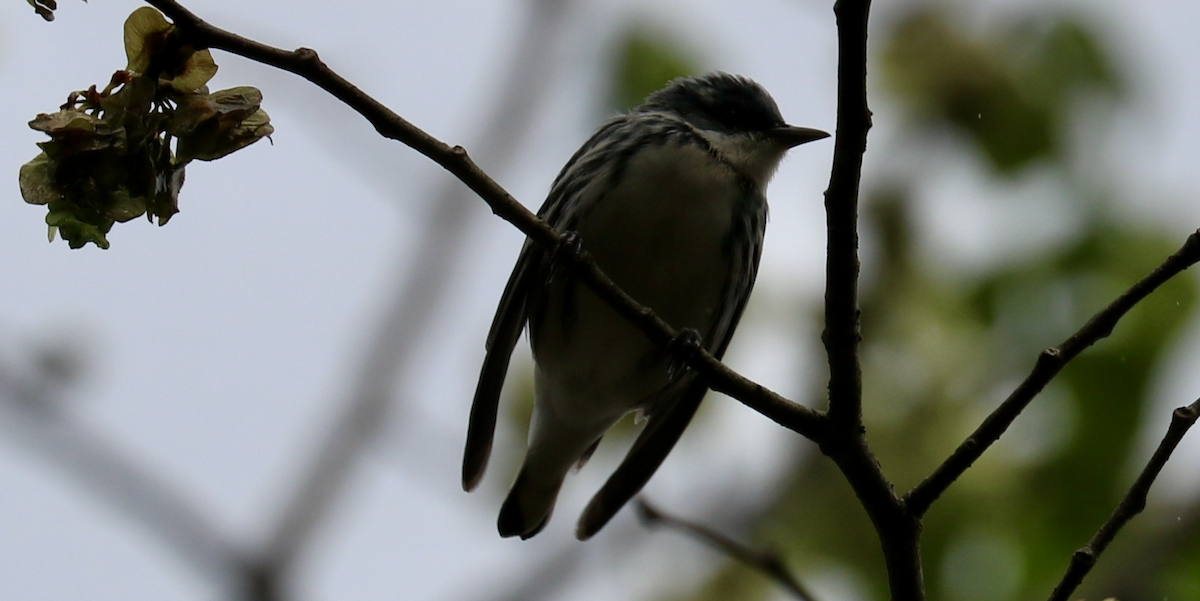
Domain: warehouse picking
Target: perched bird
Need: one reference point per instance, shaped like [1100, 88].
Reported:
[669, 200]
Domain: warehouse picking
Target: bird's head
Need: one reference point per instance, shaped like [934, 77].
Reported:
[737, 116]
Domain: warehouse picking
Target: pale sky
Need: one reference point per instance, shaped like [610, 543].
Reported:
[216, 349]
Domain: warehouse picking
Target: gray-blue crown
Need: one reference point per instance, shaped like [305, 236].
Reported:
[717, 101]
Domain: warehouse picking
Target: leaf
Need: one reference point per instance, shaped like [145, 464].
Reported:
[37, 187]
[72, 132]
[124, 206]
[198, 110]
[76, 232]
[146, 35]
[66, 122]
[214, 125]
[145, 30]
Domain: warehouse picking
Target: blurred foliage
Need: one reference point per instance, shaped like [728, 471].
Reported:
[110, 158]
[941, 350]
[645, 61]
[1009, 90]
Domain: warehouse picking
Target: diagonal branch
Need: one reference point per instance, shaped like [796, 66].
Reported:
[305, 63]
[1049, 363]
[1134, 502]
[416, 294]
[766, 561]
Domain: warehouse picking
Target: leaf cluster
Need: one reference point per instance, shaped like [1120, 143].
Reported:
[119, 153]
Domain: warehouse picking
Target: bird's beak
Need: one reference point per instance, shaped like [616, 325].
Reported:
[791, 136]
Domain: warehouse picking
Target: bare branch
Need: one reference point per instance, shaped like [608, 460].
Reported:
[899, 532]
[1048, 365]
[396, 338]
[304, 62]
[842, 334]
[1132, 504]
[766, 561]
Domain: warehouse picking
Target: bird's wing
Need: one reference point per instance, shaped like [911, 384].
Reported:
[506, 330]
[530, 272]
[672, 417]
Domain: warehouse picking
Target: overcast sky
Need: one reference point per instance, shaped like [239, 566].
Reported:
[215, 350]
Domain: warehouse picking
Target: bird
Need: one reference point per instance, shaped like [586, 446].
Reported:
[669, 201]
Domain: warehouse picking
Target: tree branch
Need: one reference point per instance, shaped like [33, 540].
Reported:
[1132, 504]
[846, 445]
[766, 561]
[1048, 365]
[396, 337]
[305, 63]
[841, 335]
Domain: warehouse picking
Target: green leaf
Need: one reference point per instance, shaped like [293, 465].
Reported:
[37, 187]
[645, 62]
[145, 30]
[124, 206]
[75, 231]
[146, 41]
[197, 70]
[213, 125]
[67, 122]
[1009, 90]
[73, 132]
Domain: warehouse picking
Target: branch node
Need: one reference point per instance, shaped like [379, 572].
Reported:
[1085, 557]
[1186, 415]
[688, 342]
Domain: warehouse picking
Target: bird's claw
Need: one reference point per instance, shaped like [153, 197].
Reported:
[566, 253]
[685, 345]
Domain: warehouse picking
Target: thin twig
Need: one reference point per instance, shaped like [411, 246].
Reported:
[1132, 504]
[766, 561]
[1049, 364]
[305, 63]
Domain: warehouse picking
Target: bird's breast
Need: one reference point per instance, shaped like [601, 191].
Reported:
[661, 233]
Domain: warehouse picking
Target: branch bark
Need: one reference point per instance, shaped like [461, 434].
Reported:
[305, 63]
[1084, 559]
[899, 531]
[1048, 365]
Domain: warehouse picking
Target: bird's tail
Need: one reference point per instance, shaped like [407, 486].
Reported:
[531, 501]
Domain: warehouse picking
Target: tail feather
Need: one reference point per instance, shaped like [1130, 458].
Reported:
[530, 502]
